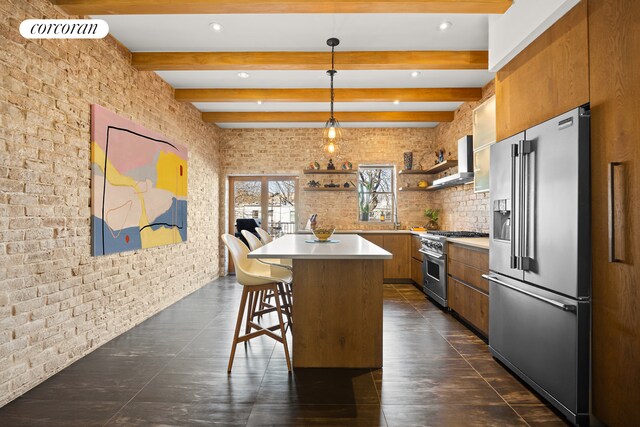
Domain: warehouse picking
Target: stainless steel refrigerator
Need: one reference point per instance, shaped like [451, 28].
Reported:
[540, 287]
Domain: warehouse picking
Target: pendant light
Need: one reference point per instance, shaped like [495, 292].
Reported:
[332, 135]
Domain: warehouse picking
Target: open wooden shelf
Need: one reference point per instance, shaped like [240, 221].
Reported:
[430, 188]
[330, 172]
[447, 164]
[329, 189]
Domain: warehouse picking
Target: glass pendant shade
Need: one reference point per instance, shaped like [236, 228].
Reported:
[332, 136]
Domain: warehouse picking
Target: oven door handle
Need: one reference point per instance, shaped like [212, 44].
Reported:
[431, 254]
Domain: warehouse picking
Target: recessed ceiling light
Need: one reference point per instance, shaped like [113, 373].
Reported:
[259, 102]
[445, 25]
[215, 27]
[415, 74]
[396, 102]
[243, 75]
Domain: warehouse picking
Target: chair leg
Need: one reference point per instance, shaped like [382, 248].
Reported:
[286, 304]
[250, 305]
[282, 330]
[243, 302]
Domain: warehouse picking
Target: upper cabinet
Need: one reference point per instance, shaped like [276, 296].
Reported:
[484, 134]
[484, 124]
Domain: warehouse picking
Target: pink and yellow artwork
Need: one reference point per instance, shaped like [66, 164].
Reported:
[139, 186]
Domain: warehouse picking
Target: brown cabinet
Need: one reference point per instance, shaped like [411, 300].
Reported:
[468, 291]
[417, 275]
[614, 43]
[399, 267]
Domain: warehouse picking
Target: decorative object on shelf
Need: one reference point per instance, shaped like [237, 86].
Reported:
[382, 217]
[332, 134]
[313, 183]
[422, 184]
[138, 186]
[440, 156]
[347, 166]
[408, 160]
[331, 166]
[331, 185]
[432, 215]
[346, 185]
[314, 166]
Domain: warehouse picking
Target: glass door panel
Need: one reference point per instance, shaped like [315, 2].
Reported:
[247, 199]
[282, 207]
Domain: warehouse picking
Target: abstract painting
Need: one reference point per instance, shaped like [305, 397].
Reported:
[139, 186]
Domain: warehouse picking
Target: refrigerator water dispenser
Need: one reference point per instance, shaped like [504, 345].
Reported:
[502, 219]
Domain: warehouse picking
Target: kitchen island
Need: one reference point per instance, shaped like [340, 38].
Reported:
[337, 299]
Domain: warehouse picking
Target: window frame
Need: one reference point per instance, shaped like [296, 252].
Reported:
[393, 192]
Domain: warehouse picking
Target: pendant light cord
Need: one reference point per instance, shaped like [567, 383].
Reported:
[333, 71]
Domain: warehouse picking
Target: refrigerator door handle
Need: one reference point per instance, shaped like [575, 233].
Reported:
[513, 259]
[611, 213]
[561, 306]
[526, 148]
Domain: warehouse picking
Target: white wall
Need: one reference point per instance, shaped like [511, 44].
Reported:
[525, 20]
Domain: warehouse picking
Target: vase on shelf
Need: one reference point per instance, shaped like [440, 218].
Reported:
[408, 160]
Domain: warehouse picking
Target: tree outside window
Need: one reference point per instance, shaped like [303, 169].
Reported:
[376, 193]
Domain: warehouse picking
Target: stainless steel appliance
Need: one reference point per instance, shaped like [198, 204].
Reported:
[434, 265]
[465, 165]
[540, 288]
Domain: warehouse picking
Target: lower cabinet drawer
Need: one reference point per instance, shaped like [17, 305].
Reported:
[470, 304]
[416, 272]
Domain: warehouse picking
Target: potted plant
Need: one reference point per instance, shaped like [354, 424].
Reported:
[432, 216]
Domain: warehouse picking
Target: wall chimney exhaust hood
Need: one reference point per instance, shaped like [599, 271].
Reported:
[465, 166]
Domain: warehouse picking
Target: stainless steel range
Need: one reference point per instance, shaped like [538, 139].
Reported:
[434, 252]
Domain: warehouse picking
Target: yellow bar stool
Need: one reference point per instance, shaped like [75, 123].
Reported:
[264, 235]
[255, 277]
[263, 300]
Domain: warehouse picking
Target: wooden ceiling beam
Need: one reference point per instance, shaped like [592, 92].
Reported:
[322, 116]
[367, 60]
[320, 95]
[128, 7]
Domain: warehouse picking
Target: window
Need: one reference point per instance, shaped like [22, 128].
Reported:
[376, 193]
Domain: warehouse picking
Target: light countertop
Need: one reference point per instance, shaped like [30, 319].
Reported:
[476, 242]
[294, 246]
[366, 232]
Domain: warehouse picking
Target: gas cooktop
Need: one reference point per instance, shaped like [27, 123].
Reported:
[458, 233]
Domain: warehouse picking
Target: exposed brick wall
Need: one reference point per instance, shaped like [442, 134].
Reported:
[57, 302]
[289, 151]
[462, 209]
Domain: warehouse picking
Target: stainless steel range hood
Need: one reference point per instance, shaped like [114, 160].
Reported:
[465, 165]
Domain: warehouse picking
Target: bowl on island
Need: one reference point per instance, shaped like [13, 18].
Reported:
[323, 233]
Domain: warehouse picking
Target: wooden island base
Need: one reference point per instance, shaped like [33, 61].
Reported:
[337, 312]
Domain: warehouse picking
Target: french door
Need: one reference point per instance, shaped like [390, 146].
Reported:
[271, 199]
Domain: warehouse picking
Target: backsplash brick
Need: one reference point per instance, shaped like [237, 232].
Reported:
[57, 302]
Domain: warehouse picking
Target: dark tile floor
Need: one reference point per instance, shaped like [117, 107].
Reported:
[171, 370]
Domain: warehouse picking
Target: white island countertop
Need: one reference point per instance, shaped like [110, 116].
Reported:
[294, 246]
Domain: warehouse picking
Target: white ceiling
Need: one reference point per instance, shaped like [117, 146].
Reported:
[319, 79]
[321, 125]
[309, 32]
[324, 106]
[298, 32]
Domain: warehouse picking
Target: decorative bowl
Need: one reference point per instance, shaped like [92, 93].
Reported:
[323, 233]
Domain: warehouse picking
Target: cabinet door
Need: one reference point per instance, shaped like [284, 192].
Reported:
[416, 272]
[614, 42]
[416, 245]
[469, 303]
[399, 267]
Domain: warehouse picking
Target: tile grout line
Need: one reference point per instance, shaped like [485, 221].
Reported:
[159, 371]
[470, 365]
